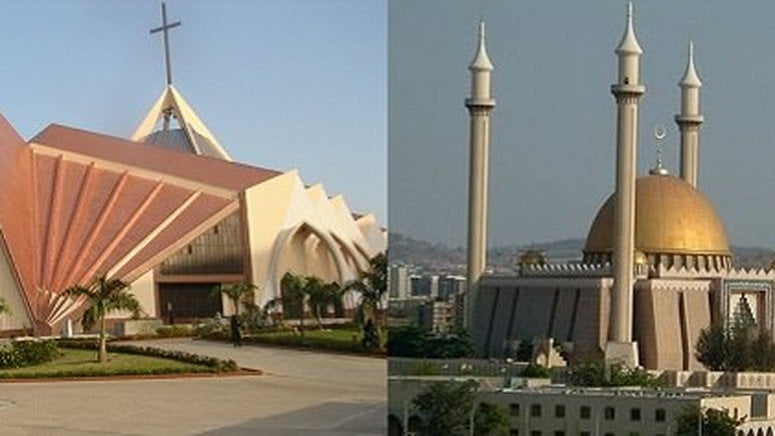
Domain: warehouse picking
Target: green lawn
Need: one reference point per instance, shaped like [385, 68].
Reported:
[75, 363]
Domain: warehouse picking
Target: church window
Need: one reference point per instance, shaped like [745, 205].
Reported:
[609, 413]
[660, 415]
[535, 410]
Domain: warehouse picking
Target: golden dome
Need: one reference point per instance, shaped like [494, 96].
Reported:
[671, 218]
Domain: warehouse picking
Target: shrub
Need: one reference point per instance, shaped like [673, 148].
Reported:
[308, 342]
[175, 331]
[254, 320]
[209, 328]
[214, 364]
[598, 374]
[27, 353]
[536, 371]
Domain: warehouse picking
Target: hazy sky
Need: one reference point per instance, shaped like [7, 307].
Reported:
[552, 151]
[281, 84]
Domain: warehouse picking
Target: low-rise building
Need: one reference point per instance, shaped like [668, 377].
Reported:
[544, 409]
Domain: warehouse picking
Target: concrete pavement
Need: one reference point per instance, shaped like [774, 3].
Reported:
[302, 393]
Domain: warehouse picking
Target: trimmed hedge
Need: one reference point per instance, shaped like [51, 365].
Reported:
[27, 353]
[212, 363]
[307, 342]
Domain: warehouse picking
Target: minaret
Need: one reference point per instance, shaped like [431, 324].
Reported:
[689, 120]
[479, 105]
[627, 91]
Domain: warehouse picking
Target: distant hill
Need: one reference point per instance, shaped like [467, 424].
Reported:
[442, 258]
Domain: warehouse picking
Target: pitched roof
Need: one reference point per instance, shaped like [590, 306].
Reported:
[217, 172]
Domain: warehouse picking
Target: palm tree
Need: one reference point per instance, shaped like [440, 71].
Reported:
[293, 292]
[240, 293]
[319, 296]
[371, 285]
[104, 296]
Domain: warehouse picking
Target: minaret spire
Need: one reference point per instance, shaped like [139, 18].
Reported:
[690, 119]
[479, 105]
[481, 61]
[627, 92]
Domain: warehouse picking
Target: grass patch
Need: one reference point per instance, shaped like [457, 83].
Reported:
[82, 363]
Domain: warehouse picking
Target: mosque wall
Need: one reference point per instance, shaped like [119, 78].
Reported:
[669, 315]
[512, 309]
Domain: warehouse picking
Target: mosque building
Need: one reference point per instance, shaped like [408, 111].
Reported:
[167, 211]
[657, 266]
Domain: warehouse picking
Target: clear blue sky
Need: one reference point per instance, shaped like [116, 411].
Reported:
[282, 84]
[552, 152]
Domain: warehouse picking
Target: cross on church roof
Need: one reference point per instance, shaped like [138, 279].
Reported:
[165, 28]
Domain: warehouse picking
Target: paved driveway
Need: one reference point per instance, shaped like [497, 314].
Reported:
[302, 393]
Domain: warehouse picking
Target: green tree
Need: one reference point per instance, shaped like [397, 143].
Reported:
[739, 347]
[240, 294]
[320, 296]
[372, 286]
[490, 420]
[742, 347]
[104, 296]
[292, 287]
[714, 422]
[711, 349]
[406, 341]
[763, 352]
[446, 406]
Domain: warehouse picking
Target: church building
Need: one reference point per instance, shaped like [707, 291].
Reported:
[167, 211]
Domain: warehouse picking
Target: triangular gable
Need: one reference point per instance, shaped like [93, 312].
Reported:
[195, 131]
